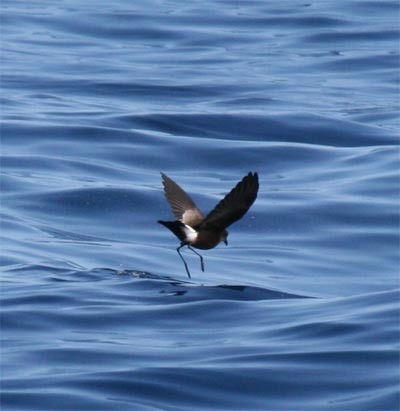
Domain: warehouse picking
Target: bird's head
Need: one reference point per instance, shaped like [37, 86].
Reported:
[224, 237]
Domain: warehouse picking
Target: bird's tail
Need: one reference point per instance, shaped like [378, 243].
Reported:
[177, 227]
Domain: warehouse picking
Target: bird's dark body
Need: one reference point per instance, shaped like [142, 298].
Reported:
[204, 233]
[205, 240]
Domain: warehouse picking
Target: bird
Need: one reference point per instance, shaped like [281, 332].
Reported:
[193, 229]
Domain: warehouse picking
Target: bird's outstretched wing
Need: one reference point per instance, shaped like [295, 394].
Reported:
[182, 205]
[234, 206]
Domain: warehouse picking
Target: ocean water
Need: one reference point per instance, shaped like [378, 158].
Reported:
[301, 310]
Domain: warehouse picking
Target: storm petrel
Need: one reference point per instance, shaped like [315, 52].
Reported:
[195, 230]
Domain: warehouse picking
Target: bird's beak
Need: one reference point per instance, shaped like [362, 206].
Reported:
[226, 242]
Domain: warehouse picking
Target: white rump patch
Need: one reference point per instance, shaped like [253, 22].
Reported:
[190, 233]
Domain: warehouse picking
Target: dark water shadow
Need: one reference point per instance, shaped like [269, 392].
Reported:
[173, 287]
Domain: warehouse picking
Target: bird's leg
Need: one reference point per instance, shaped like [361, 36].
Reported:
[184, 262]
[201, 258]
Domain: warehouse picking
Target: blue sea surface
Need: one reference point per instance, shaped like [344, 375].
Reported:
[301, 310]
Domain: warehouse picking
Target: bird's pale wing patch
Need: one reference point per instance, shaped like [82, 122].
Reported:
[182, 206]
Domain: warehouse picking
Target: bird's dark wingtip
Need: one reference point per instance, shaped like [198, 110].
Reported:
[253, 176]
[251, 180]
[164, 179]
